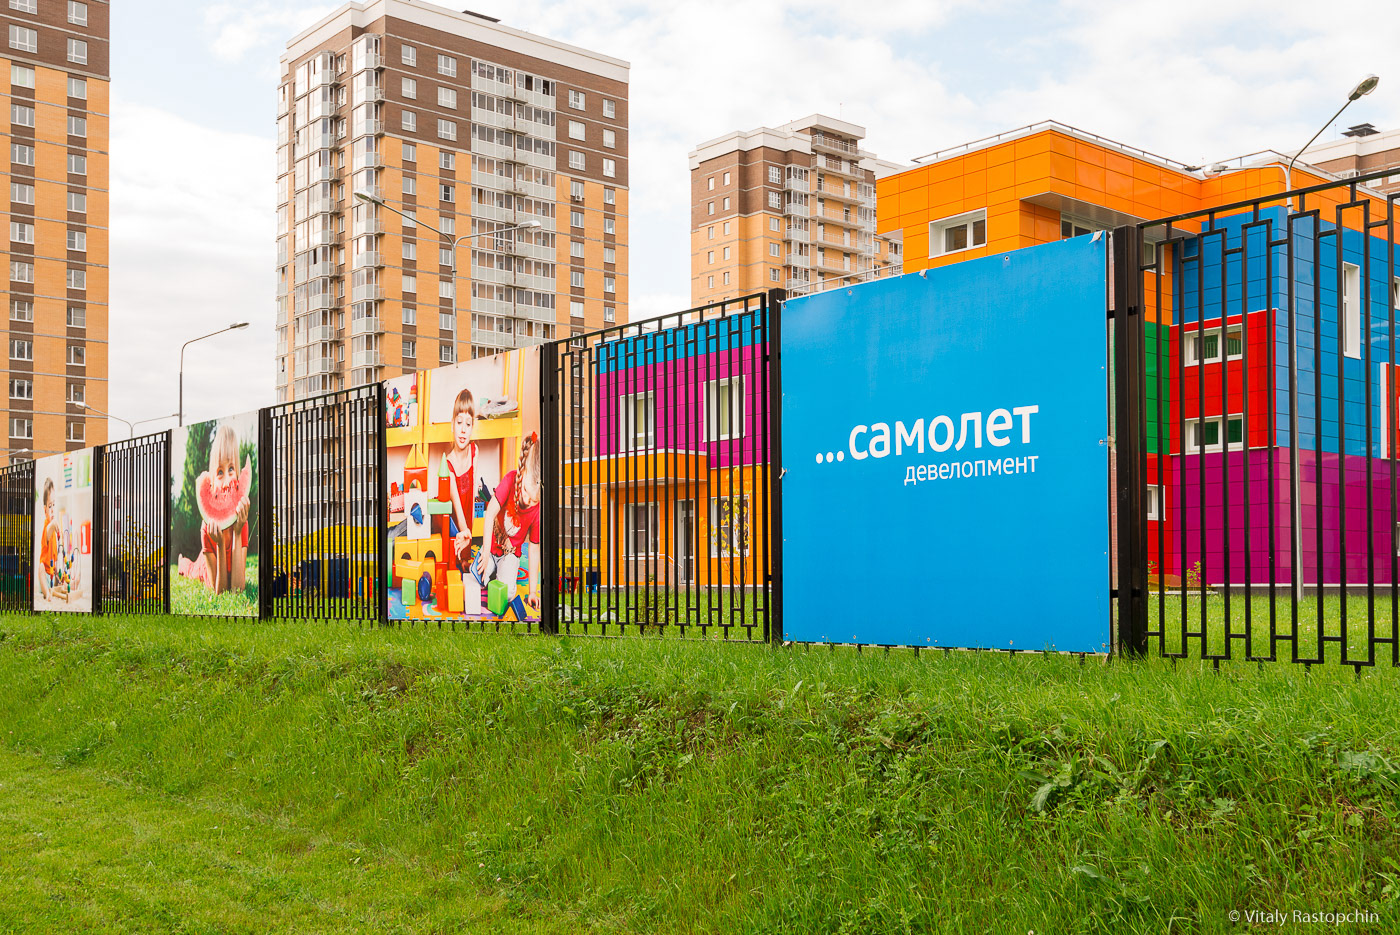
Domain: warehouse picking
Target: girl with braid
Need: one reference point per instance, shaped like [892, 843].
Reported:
[512, 517]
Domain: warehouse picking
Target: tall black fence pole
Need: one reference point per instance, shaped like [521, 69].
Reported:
[550, 541]
[776, 298]
[1129, 386]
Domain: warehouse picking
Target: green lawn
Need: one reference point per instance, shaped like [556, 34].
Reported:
[171, 774]
[192, 597]
[1261, 627]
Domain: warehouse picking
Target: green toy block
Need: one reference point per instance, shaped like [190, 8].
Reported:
[439, 508]
[410, 592]
[496, 598]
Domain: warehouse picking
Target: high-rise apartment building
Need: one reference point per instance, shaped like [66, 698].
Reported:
[1361, 150]
[467, 126]
[791, 207]
[56, 66]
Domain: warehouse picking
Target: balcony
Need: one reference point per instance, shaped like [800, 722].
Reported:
[319, 141]
[320, 333]
[831, 264]
[318, 366]
[374, 191]
[365, 359]
[832, 144]
[368, 161]
[799, 260]
[367, 60]
[494, 213]
[368, 325]
[363, 377]
[845, 218]
[318, 270]
[319, 302]
[795, 184]
[322, 206]
[368, 128]
[798, 285]
[366, 226]
[831, 240]
[321, 107]
[322, 174]
[839, 166]
[368, 94]
[837, 193]
[796, 209]
[799, 235]
[321, 238]
[371, 293]
[368, 258]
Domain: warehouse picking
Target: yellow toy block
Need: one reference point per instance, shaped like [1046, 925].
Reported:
[454, 592]
[407, 570]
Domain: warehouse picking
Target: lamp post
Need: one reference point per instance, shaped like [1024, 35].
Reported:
[1363, 87]
[130, 429]
[180, 414]
[21, 451]
[527, 225]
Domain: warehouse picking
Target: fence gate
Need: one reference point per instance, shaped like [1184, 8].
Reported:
[17, 536]
[322, 507]
[1264, 401]
[659, 440]
[133, 532]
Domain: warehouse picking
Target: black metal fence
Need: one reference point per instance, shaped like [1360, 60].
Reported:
[1259, 490]
[323, 507]
[133, 528]
[17, 536]
[663, 452]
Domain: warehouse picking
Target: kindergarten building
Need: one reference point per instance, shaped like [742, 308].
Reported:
[1220, 400]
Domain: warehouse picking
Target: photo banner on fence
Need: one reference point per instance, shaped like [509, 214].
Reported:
[214, 522]
[945, 457]
[63, 510]
[463, 479]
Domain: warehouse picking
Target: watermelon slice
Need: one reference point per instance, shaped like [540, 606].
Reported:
[220, 507]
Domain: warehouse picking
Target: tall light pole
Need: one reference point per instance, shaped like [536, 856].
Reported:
[130, 428]
[527, 225]
[180, 414]
[21, 451]
[1363, 87]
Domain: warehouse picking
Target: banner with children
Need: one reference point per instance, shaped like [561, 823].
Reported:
[63, 532]
[463, 478]
[213, 562]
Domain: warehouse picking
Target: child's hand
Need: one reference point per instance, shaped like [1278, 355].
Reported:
[240, 516]
[211, 530]
[532, 601]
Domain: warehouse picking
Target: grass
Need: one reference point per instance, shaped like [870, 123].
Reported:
[500, 784]
[1261, 628]
[192, 597]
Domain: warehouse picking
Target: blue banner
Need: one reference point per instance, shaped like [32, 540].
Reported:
[945, 456]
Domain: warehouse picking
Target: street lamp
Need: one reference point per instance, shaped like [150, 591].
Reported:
[1363, 87]
[130, 429]
[21, 451]
[180, 414]
[527, 225]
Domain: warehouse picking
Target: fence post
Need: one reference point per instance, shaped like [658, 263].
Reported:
[169, 514]
[99, 531]
[549, 488]
[266, 478]
[380, 521]
[776, 297]
[1129, 428]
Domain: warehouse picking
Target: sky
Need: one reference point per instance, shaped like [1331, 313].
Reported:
[193, 111]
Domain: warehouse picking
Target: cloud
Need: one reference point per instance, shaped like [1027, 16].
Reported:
[192, 250]
[240, 28]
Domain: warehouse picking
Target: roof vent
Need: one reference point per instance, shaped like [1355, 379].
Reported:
[1361, 129]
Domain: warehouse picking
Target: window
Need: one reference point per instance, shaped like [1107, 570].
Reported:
[77, 126]
[576, 130]
[577, 100]
[77, 316]
[77, 164]
[729, 527]
[410, 347]
[609, 284]
[576, 248]
[575, 308]
[710, 233]
[575, 218]
[1154, 502]
[576, 190]
[21, 310]
[77, 202]
[410, 317]
[410, 185]
[408, 55]
[25, 6]
[609, 313]
[446, 320]
[410, 88]
[609, 226]
[1351, 310]
[447, 161]
[642, 528]
[775, 200]
[726, 279]
[21, 389]
[447, 193]
[610, 139]
[75, 431]
[1204, 347]
[21, 271]
[21, 76]
[724, 409]
[24, 39]
[77, 51]
[726, 253]
[22, 193]
[446, 353]
[710, 257]
[21, 350]
[77, 279]
[21, 154]
[774, 250]
[726, 228]
[711, 181]
[576, 159]
[76, 393]
[726, 178]
[21, 232]
[77, 87]
[447, 65]
[576, 279]
[410, 152]
[609, 108]
[610, 168]
[447, 97]
[773, 275]
[711, 283]
[1204, 434]
[410, 283]
[637, 420]
[447, 130]
[21, 428]
[445, 256]
[410, 250]
[22, 115]
[609, 196]
[775, 175]
[610, 255]
[77, 355]
[77, 240]
[711, 207]
[726, 203]
[957, 233]
[410, 121]
[77, 13]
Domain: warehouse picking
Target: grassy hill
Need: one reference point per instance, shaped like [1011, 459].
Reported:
[187, 775]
